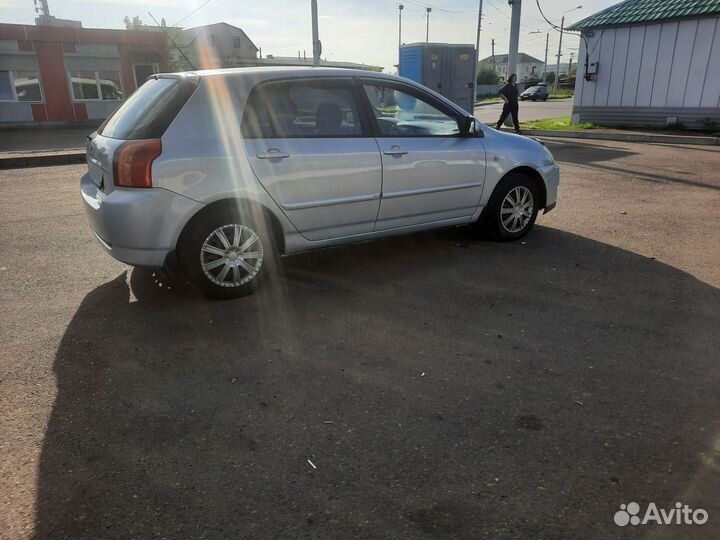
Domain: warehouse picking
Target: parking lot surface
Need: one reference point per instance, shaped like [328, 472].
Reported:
[429, 386]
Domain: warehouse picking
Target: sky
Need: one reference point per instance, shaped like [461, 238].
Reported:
[364, 31]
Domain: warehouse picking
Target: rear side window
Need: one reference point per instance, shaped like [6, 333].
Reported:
[149, 111]
[303, 109]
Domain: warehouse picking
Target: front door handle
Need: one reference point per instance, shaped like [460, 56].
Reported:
[395, 151]
[273, 153]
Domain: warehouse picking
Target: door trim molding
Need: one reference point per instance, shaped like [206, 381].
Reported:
[423, 191]
[331, 202]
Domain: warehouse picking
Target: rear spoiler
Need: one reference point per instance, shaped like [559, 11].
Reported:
[192, 78]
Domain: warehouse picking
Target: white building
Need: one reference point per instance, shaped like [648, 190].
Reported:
[528, 67]
[650, 63]
[212, 45]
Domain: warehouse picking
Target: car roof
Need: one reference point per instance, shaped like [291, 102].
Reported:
[286, 71]
[257, 75]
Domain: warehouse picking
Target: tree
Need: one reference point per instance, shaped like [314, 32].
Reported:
[550, 77]
[133, 24]
[487, 75]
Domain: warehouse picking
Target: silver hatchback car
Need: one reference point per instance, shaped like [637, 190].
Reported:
[222, 170]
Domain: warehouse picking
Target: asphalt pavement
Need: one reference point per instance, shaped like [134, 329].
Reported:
[429, 386]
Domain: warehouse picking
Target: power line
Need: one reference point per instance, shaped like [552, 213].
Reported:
[192, 66]
[425, 5]
[193, 11]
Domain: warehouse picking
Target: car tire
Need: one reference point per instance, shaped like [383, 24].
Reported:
[227, 254]
[512, 208]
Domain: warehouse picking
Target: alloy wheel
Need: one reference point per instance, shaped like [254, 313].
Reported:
[231, 255]
[516, 210]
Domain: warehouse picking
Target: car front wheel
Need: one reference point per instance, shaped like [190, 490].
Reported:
[513, 208]
[225, 256]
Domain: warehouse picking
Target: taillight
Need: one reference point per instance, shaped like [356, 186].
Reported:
[132, 163]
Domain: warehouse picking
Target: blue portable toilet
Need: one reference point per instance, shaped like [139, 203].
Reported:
[446, 68]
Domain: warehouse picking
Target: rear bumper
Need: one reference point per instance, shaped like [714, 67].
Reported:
[136, 226]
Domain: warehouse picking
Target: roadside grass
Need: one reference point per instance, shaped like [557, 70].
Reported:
[561, 95]
[556, 124]
[563, 124]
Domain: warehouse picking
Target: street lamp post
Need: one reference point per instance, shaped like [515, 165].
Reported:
[317, 46]
[400, 10]
[427, 24]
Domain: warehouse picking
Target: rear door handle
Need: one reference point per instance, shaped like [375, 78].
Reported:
[395, 151]
[273, 153]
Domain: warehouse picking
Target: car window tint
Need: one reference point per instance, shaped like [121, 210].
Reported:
[149, 111]
[401, 114]
[301, 110]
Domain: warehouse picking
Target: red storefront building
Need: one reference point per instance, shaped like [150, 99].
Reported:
[66, 74]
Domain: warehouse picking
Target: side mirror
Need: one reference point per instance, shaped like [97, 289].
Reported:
[466, 125]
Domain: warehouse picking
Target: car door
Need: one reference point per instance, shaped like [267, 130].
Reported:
[310, 147]
[431, 173]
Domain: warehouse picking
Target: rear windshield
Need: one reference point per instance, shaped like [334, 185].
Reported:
[149, 111]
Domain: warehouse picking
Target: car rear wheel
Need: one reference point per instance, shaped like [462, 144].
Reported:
[225, 256]
[512, 209]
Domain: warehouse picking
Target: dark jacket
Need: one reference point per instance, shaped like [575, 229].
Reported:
[510, 91]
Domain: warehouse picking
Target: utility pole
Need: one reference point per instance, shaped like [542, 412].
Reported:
[557, 70]
[317, 46]
[400, 8]
[570, 65]
[477, 53]
[547, 42]
[559, 54]
[427, 24]
[493, 55]
[514, 36]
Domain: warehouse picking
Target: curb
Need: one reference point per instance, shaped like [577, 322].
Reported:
[485, 103]
[22, 161]
[626, 137]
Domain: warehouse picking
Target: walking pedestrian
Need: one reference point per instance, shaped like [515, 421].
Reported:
[509, 94]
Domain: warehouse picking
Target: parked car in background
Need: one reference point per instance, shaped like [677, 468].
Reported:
[222, 170]
[535, 93]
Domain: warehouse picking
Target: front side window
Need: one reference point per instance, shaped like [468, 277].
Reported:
[20, 86]
[401, 114]
[96, 85]
[301, 110]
